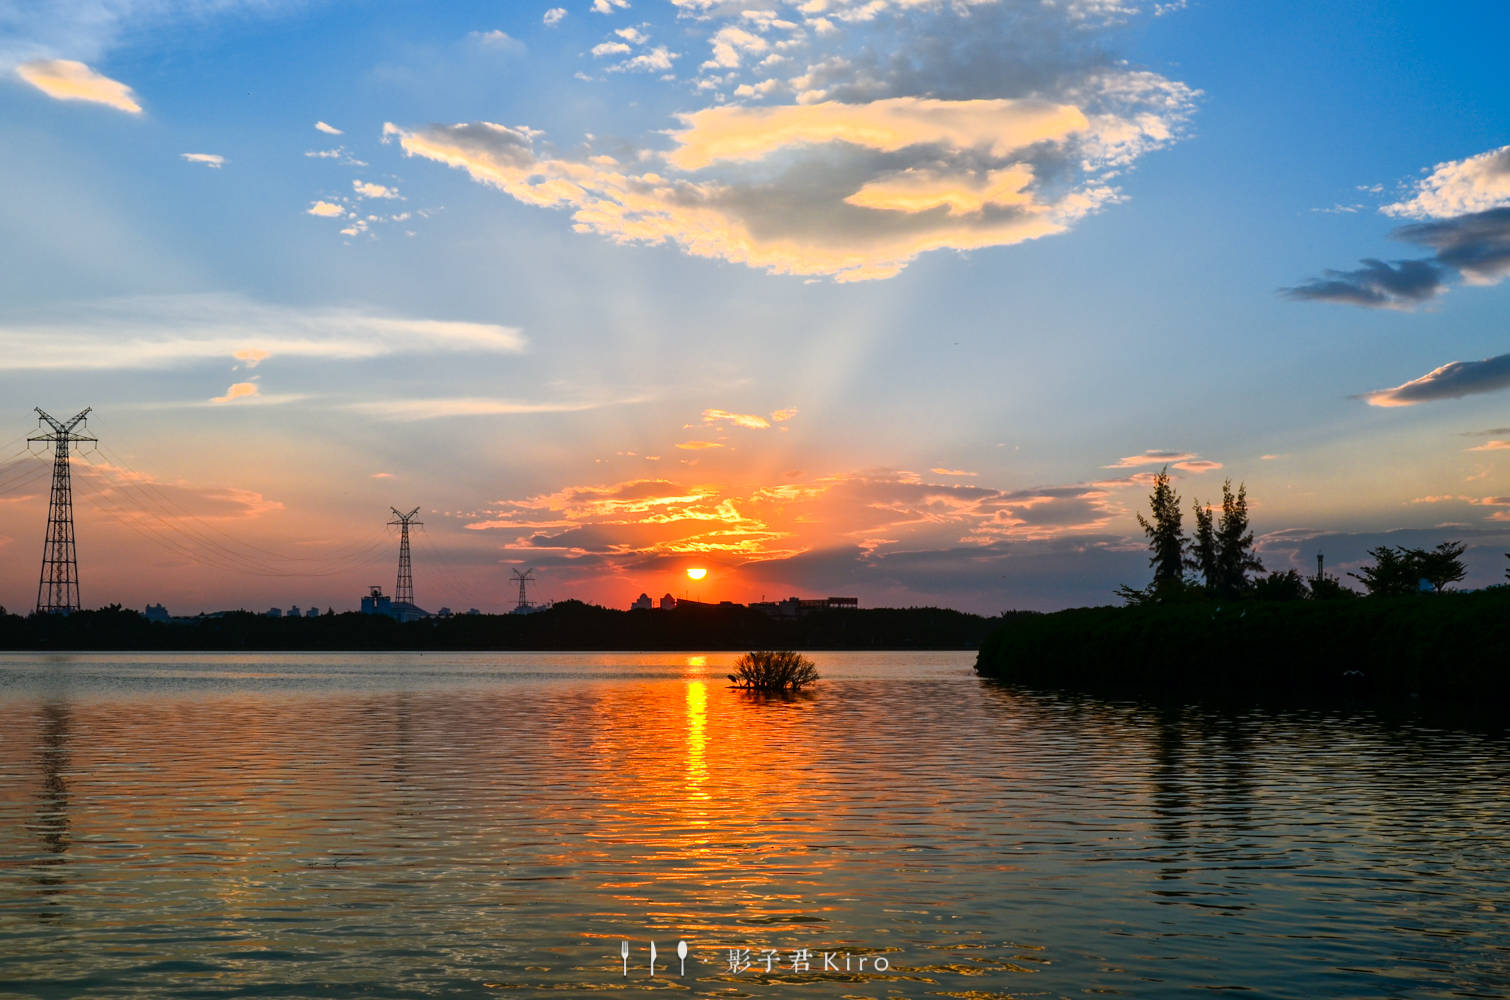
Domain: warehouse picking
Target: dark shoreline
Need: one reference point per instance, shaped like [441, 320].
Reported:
[567, 626]
[1450, 648]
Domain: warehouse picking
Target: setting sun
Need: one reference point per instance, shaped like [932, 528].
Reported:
[697, 573]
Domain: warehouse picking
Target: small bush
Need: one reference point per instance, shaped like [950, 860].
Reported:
[773, 670]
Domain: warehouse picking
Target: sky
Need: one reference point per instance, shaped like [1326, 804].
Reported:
[905, 300]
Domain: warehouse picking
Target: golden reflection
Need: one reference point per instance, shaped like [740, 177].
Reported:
[697, 738]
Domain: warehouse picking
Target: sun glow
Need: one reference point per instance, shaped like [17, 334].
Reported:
[696, 573]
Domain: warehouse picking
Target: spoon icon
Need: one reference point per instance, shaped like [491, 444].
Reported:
[681, 953]
[624, 952]
[652, 958]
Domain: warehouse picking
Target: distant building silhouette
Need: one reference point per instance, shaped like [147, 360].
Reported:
[378, 603]
[796, 607]
[156, 613]
[667, 602]
[642, 603]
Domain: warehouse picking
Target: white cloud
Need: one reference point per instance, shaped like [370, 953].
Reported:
[325, 209]
[160, 332]
[732, 42]
[609, 49]
[369, 190]
[553, 16]
[472, 406]
[214, 160]
[67, 80]
[608, 6]
[1457, 187]
[329, 129]
[657, 60]
[339, 153]
[495, 39]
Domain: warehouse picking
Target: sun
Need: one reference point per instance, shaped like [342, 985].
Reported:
[696, 573]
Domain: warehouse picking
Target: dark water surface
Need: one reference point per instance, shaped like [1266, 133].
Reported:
[301, 825]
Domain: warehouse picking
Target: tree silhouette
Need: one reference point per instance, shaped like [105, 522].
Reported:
[1166, 542]
[1400, 570]
[1203, 548]
[1235, 557]
[1443, 565]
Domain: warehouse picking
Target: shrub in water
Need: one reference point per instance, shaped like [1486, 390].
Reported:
[773, 670]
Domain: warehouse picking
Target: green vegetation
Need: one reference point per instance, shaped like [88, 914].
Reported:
[1444, 647]
[773, 671]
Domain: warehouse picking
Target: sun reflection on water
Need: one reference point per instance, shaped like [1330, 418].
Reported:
[697, 740]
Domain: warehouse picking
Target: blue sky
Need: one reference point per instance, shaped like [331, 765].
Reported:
[897, 299]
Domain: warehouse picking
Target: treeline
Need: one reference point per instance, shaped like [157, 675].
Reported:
[1441, 647]
[1219, 560]
[1210, 623]
[568, 625]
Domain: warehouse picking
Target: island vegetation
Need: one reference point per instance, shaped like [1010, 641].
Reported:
[773, 671]
[1212, 622]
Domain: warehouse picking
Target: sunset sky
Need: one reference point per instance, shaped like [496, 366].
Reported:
[897, 299]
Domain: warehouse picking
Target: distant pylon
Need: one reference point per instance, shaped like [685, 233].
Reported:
[403, 592]
[58, 587]
[523, 578]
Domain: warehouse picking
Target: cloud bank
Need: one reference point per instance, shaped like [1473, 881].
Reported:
[1002, 122]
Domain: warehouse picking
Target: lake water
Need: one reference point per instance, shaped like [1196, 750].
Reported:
[405, 825]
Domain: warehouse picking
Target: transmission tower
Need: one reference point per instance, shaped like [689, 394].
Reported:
[58, 587]
[523, 578]
[403, 593]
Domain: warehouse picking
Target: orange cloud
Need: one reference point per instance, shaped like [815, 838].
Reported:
[240, 390]
[641, 522]
[749, 420]
[741, 133]
[698, 445]
[956, 174]
[68, 80]
[1151, 458]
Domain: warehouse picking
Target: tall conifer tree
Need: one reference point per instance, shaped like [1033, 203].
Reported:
[1166, 538]
[1203, 548]
[1235, 557]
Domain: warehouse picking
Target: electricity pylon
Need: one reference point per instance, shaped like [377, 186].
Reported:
[403, 592]
[58, 586]
[523, 579]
